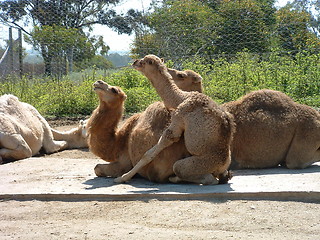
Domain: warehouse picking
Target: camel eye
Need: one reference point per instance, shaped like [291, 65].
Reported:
[114, 90]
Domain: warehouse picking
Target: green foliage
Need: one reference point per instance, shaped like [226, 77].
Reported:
[73, 94]
[139, 91]
[223, 80]
[180, 29]
[226, 81]
[293, 31]
[98, 62]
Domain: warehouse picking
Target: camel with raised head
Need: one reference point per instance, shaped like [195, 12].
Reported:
[206, 127]
[141, 131]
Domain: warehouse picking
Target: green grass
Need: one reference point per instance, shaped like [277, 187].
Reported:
[223, 81]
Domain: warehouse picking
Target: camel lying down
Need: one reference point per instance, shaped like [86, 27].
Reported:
[23, 132]
[209, 146]
[261, 140]
[272, 129]
[75, 137]
[124, 146]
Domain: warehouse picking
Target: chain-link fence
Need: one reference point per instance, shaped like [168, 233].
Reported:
[237, 46]
[11, 61]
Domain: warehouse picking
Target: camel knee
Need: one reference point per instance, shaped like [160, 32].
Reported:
[21, 152]
[98, 170]
[179, 169]
[171, 136]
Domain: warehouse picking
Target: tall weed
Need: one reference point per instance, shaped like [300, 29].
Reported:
[223, 80]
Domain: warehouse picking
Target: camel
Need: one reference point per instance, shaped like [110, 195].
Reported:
[150, 126]
[75, 137]
[23, 131]
[273, 130]
[104, 138]
[206, 127]
[137, 133]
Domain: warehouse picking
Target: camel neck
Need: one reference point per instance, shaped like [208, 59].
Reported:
[103, 129]
[171, 95]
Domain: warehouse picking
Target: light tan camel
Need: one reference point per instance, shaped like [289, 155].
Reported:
[206, 127]
[139, 133]
[23, 131]
[75, 137]
[272, 129]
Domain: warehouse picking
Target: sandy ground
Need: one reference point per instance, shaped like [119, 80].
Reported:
[157, 219]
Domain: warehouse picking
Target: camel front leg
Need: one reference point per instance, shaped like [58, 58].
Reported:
[146, 158]
[113, 169]
[170, 135]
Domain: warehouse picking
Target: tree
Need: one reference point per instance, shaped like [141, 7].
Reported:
[243, 26]
[180, 29]
[69, 14]
[293, 28]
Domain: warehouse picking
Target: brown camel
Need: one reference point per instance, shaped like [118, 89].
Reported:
[141, 131]
[150, 126]
[272, 129]
[104, 138]
[206, 127]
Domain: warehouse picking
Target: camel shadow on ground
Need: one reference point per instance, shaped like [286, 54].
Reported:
[277, 170]
[139, 185]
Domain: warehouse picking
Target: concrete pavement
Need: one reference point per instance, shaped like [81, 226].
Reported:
[74, 180]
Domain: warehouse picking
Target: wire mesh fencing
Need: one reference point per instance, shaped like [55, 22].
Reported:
[11, 61]
[237, 46]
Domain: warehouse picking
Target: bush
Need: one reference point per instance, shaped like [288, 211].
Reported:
[223, 81]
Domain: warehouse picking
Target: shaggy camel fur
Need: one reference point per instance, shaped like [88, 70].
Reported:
[206, 127]
[75, 138]
[140, 132]
[272, 129]
[23, 131]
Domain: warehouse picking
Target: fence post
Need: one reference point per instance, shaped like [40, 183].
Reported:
[20, 54]
[10, 51]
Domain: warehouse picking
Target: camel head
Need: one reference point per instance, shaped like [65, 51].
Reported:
[187, 80]
[111, 95]
[147, 64]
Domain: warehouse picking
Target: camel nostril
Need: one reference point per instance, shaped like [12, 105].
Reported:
[135, 62]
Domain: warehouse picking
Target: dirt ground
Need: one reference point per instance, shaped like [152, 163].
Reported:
[157, 219]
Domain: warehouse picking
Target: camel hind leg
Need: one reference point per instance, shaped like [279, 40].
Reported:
[14, 147]
[304, 149]
[49, 144]
[170, 135]
[195, 169]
